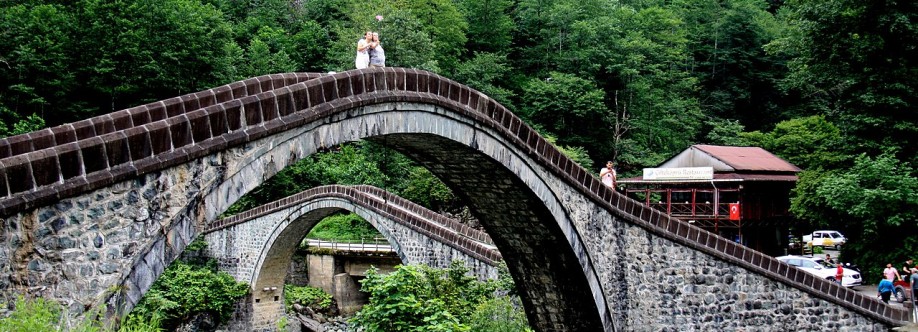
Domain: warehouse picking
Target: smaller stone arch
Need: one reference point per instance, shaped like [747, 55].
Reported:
[257, 246]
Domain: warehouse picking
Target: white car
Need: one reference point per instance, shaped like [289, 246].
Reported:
[825, 239]
[822, 269]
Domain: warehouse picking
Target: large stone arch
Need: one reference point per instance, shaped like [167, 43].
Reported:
[521, 212]
[256, 247]
[598, 245]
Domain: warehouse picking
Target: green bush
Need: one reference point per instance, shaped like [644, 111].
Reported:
[312, 297]
[345, 227]
[185, 290]
[33, 315]
[40, 315]
[499, 315]
[421, 298]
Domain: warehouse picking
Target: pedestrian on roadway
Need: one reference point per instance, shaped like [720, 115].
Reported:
[907, 269]
[891, 273]
[839, 273]
[884, 290]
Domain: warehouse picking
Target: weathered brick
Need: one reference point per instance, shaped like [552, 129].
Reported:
[122, 120]
[180, 131]
[18, 173]
[139, 116]
[93, 154]
[68, 157]
[138, 140]
[251, 106]
[160, 137]
[268, 106]
[44, 167]
[117, 149]
[42, 139]
[200, 126]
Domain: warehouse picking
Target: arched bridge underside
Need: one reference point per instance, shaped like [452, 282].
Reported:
[113, 208]
[256, 246]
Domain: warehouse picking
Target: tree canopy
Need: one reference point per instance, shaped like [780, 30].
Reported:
[826, 84]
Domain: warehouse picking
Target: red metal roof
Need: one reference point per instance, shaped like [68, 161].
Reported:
[747, 158]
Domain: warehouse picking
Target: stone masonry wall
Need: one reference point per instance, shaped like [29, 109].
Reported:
[78, 249]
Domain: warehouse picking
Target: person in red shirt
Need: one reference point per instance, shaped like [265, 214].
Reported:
[839, 273]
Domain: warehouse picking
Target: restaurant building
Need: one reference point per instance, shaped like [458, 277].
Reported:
[741, 193]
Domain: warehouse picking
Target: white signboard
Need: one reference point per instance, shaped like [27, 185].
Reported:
[679, 173]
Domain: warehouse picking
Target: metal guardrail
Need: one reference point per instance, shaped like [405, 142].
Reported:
[374, 245]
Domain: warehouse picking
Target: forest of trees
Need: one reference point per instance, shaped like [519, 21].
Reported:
[828, 85]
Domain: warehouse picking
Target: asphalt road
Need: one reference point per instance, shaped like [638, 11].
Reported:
[870, 289]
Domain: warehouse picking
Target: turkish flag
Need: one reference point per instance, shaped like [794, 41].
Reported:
[734, 211]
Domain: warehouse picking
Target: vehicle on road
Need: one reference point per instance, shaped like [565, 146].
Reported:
[825, 238]
[822, 269]
[902, 291]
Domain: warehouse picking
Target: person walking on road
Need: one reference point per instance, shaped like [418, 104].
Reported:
[884, 290]
[839, 273]
[890, 273]
[907, 269]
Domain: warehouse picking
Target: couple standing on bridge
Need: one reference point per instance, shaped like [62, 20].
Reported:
[370, 52]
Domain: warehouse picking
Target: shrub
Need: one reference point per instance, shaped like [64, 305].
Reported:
[33, 315]
[421, 298]
[499, 315]
[185, 290]
[312, 297]
[39, 315]
[344, 228]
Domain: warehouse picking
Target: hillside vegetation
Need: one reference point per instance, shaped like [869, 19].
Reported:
[826, 84]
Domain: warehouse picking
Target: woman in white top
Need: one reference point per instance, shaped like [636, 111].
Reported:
[363, 58]
[607, 175]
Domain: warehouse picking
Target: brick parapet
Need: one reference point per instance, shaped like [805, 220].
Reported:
[370, 198]
[43, 176]
[448, 222]
[143, 114]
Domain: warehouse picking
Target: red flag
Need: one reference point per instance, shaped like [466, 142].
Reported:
[734, 211]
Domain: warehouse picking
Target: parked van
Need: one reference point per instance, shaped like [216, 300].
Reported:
[825, 239]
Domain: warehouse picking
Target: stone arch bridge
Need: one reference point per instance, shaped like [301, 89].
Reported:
[93, 209]
[256, 246]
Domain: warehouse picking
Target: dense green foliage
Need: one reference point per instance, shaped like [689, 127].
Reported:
[312, 297]
[827, 84]
[344, 228]
[188, 288]
[499, 314]
[421, 298]
[853, 62]
[40, 315]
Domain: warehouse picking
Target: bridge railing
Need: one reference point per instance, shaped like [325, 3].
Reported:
[140, 115]
[362, 246]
